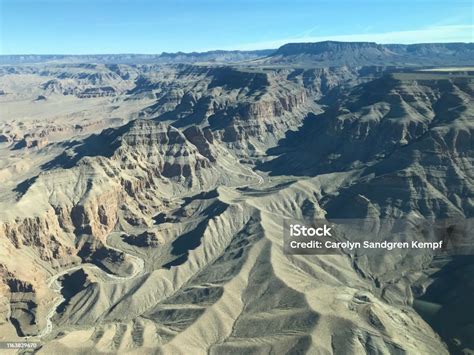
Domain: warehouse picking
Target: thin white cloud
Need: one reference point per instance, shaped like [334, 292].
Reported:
[446, 33]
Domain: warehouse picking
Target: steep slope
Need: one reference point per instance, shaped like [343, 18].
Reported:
[404, 144]
[159, 235]
[118, 177]
[379, 123]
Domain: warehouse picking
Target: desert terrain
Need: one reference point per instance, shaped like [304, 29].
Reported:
[142, 199]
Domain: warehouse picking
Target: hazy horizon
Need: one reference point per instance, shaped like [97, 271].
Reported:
[210, 50]
[94, 27]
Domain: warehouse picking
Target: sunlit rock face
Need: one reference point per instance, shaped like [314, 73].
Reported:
[142, 205]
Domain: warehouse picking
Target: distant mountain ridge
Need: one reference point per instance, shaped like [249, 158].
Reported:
[314, 54]
[332, 53]
[217, 55]
[327, 47]
[178, 57]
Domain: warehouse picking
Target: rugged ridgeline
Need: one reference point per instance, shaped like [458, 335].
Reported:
[331, 53]
[226, 99]
[164, 232]
[179, 57]
[322, 54]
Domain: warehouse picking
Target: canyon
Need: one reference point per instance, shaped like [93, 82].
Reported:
[142, 199]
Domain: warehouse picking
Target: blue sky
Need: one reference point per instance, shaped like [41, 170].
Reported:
[146, 26]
